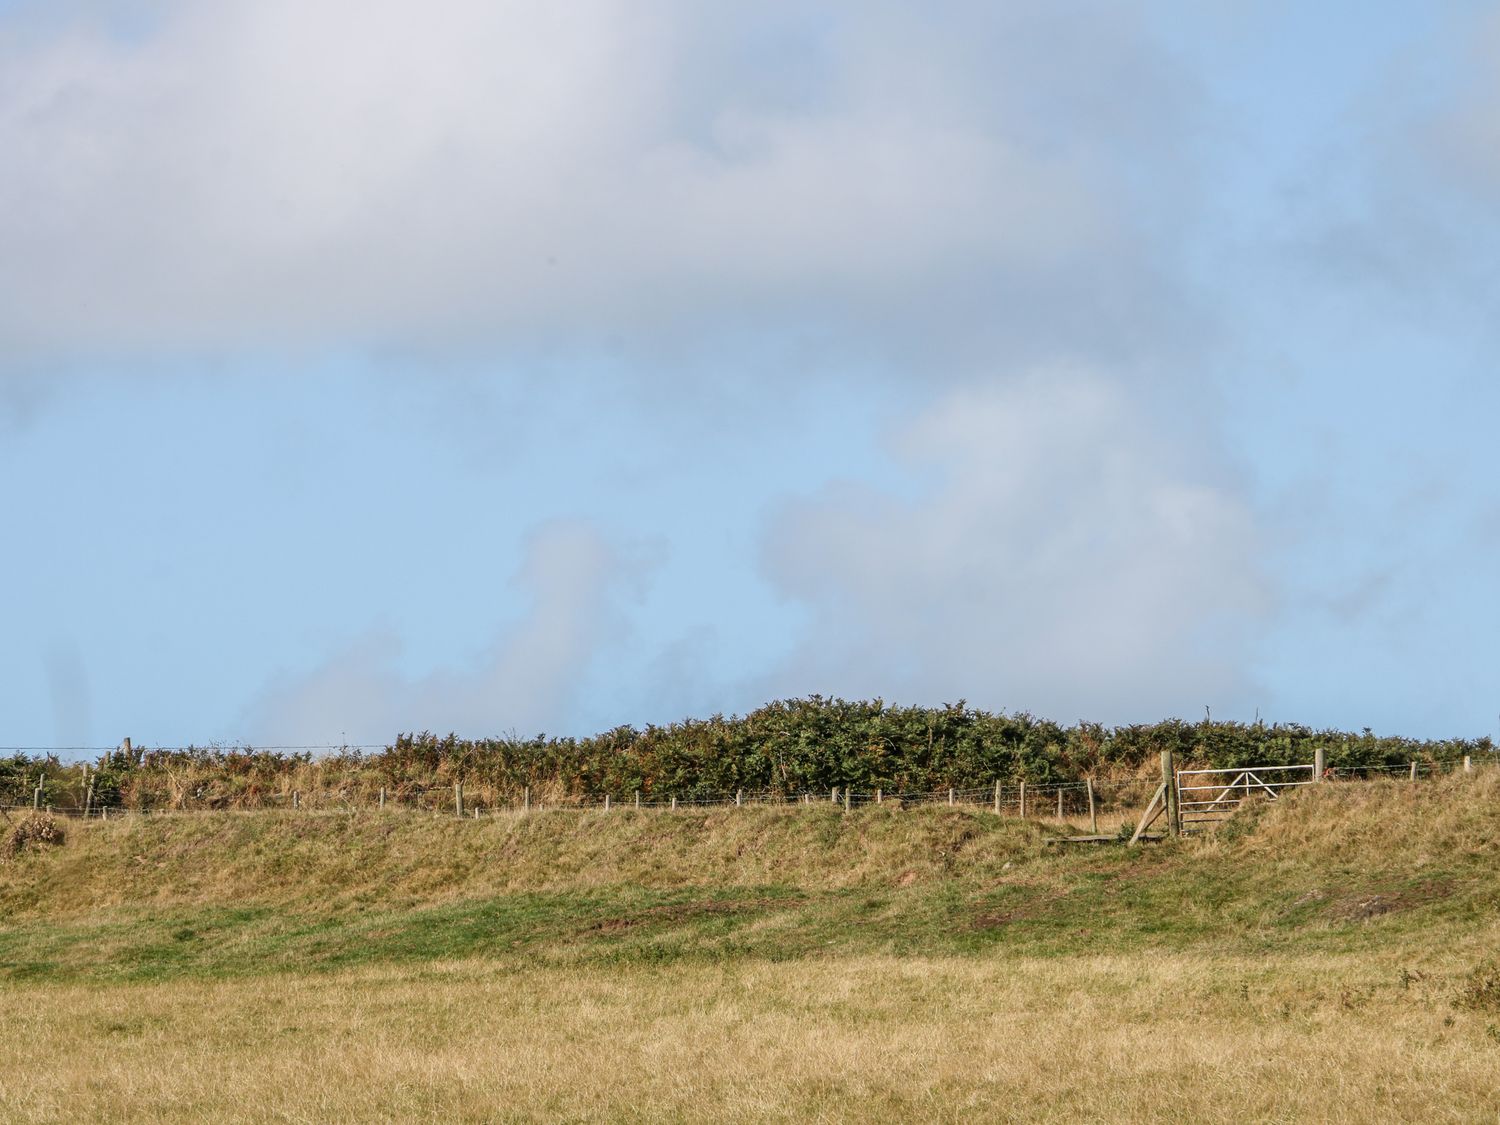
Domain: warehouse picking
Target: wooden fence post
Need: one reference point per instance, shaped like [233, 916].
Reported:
[606, 802]
[296, 798]
[1468, 764]
[526, 799]
[674, 802]
[36, 796]
[846, 798]
[1059, 802]
[1169, 779]
[1023, 800]
[1414, 771]
[878, 795]
[1093, 813]
[1320, 765]
[458, 798]
[637, 798]
[833, 795]
[739, 797]
[950, 796]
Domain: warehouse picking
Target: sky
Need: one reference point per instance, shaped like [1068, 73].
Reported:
[502, 368]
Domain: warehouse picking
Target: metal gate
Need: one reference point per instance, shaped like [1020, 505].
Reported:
[1208, 797]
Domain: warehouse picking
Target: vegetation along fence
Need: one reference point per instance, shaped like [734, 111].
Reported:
[791, 751]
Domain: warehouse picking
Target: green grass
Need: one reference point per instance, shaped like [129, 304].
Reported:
[1328, 959]
[245, 894]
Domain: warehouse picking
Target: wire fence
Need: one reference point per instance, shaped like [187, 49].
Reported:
[1111, 800]
[202, 747]
[1030, 799]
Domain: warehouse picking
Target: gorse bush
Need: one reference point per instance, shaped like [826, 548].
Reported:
[786, 747]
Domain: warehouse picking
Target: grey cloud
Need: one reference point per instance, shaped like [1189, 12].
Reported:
[1466, 133]
[1486, 527]
[1400, 208]
[1054, 554]
[22, 395]
[508, 174]
[527, 681]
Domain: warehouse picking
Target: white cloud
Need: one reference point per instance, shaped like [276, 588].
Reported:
[1055, 553]
[265, 172]
[528, 681]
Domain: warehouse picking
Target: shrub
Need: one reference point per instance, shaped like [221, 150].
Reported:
[35, 831]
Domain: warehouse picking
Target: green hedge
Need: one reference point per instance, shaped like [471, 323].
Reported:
[789, 746]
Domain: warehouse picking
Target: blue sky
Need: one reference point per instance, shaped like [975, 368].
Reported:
[498, 367]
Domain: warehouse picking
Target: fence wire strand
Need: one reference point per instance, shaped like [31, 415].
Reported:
[1110, 797]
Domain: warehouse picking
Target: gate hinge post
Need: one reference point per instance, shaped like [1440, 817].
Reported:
[1169, 779]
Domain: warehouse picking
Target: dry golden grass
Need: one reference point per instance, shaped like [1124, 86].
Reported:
[1447, 819]
[1210, 1004]
[879, 1039]
[331, 858]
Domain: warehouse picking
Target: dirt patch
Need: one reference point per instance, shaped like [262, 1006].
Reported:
[1363, 906]
[996, 919]
[679, 912]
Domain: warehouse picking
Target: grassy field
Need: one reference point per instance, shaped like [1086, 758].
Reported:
[1331, 958]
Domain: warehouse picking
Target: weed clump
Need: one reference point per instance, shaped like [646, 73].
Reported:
[1480, 991]
[36, 831]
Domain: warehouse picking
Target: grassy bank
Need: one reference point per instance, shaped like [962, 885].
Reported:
[1328, 957]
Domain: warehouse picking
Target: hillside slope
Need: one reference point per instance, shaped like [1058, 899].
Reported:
[1328, 958]
[1337, 868]
[329, 861]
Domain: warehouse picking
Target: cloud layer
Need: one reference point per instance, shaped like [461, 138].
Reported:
[1053, 552]
[529, 680]
[1152, 304]
[273, 172]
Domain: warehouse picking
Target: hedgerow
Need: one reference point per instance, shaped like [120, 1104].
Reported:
[786, 747]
